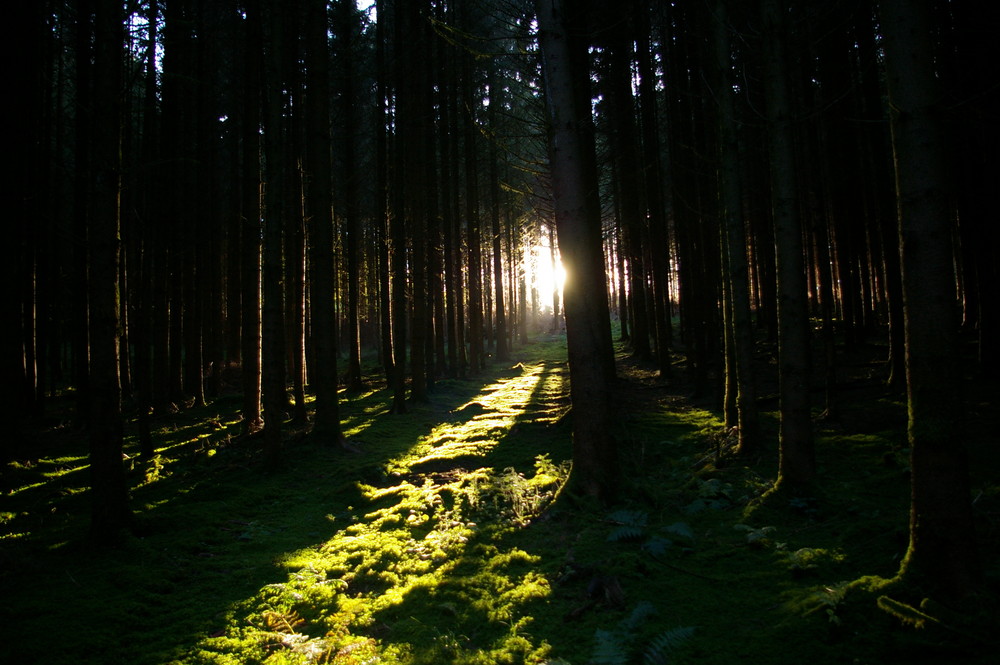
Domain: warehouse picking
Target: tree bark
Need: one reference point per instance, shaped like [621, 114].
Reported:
[797, 460]
[109, 494]
[942, 554]
[577, 212]
[734, 240]
[323, 377]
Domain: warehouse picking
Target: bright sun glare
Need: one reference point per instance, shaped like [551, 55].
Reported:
[547, 276]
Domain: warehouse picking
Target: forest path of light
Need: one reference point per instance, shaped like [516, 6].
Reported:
[417, 574]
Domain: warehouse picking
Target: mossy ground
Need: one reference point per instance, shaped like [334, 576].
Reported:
[445, 539]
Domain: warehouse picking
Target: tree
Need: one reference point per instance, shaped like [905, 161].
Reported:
[942, 549]
[109, 495]
[797, 463]
[739, 335]
[273, 379]
[318, 199]
[577, 213]
[345, 14]
[250, 214]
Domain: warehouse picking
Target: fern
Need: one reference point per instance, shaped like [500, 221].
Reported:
[610, 648]
[631, 525]
[637, 616]
[657, 546]
[626, 532]
[662, 647]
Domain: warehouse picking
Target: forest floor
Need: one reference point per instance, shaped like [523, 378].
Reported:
[446, 538]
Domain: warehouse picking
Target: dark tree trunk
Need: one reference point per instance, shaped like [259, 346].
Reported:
[381, 194]
[797, 463]
[577, 210]
[942, 555]
[628, 177]
[654, 182]
[273, 379]
[250, 246]
[739, 335]
[496, 101]
[323, 375]
[346, 17]
[109, 493]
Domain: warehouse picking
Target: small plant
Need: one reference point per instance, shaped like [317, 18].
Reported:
[828, 600]
[622, 645]
[631, 527]
[756, 537]
[661, 647]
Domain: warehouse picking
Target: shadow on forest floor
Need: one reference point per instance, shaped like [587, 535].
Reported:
[446, 538]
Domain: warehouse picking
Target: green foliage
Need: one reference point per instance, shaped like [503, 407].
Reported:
[756, 537]
[661, 648]
[445, 540]
[623, 644]
[631, 525]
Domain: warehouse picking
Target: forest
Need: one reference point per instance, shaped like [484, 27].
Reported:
[502, 331]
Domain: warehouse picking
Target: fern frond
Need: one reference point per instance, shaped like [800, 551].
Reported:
[657, 546]
[625, 532]
[609, 648]
[636, 518]
[681, 529]
[662, 646]
[637, 616]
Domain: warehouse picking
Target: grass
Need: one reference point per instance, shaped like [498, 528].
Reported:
[446, 540]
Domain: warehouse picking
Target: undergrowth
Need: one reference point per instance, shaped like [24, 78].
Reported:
[446, 539]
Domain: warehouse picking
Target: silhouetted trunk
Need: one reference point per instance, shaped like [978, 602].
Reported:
[250, 244]
[739, 336]
[577, 212]
[797, 463]
[628, 177]
[381, 194]
[654, 181]
[500, 321]
[942, 554]
[345, 17]
[273, 380]
[323, 376]
[473, 236]
[109, 494]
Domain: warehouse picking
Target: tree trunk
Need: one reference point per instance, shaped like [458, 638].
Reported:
[577, 211]
[323, 375]
[109, 494]
[942, 554]
[273, 379]
[250, 246]
[797, 462]
[734, 240]
[345, 16]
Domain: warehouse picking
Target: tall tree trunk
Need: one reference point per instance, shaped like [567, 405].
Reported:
[322, 273]
[797, 460]
[250, 246]
[381, 194]
[496, 101]
[109, 494]
[273, 380]
[654, 182]
[734, 239]
[577, 211]
[942, 553]
[345, 16]
[628, 178]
